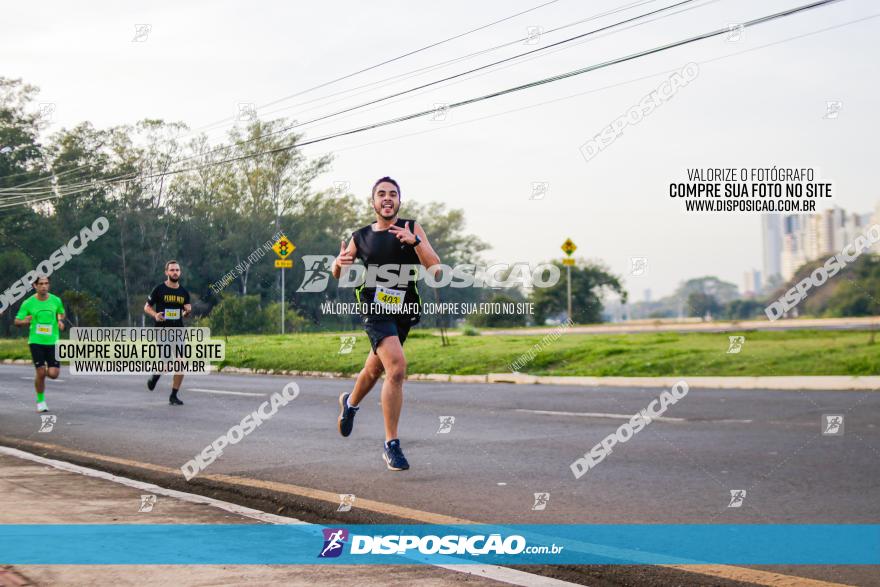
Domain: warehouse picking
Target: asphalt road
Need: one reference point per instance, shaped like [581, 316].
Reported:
[507, 443]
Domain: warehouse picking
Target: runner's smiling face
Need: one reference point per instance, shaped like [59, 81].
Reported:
[386, 200]
[173, 272]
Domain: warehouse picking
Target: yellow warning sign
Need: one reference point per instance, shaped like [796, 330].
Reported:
[283, 263]
[568, 262]
[283, 247]
[569, 247]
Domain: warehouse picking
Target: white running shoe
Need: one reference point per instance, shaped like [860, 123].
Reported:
[42, 407]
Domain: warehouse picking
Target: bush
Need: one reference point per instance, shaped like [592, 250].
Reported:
[470, 331]
[239, 315]
[744, 310]
[293, 320]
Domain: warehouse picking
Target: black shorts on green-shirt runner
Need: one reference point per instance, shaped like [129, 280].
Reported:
[44, 355]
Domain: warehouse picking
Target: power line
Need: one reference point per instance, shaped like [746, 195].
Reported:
[630, 57]
[456, 59]
[351, 109]
[410, 90]
[358, 72]
[594, 90]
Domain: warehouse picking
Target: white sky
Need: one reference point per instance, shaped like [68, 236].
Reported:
[761, 108]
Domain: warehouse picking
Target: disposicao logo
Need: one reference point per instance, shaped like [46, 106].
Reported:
[334, 541]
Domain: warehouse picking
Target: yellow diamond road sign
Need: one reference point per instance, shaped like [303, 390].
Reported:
[283, 263]
[569, 247]
[283, 247]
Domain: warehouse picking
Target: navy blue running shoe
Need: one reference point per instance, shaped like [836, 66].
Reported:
[346, 415]
[393, 456]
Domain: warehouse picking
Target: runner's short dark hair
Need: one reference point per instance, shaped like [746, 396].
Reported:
[170, 262]
[39, 277]
[385, 179]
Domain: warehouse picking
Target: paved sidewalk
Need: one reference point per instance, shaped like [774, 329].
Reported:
[33, 493]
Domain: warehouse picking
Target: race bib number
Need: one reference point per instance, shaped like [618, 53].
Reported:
[388, 298]
[172, 314]
[44, 329]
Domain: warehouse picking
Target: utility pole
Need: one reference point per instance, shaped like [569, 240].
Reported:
[568, 247]
[283, 248]
[568, 272]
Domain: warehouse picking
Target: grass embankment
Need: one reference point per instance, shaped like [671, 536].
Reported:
[799, 352]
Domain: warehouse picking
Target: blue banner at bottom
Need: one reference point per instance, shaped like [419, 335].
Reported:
[247, 544]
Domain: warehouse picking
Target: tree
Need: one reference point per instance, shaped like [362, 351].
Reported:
[702, 305]
[210, 214]
[743, 309]
[722, 292]
[858, 294]
[589, 282]
[81, 308]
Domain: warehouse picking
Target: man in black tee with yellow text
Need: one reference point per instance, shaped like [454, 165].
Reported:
[168, 304]
[391, 243]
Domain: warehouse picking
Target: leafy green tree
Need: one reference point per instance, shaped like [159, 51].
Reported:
[858, 293]
[13, 265]
[744, 310]
[702, 304]
[589, 282]
[82, 309]
[210, 215]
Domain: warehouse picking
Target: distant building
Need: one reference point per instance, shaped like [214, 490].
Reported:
[751, 283]
[771, 235]
[794, 239]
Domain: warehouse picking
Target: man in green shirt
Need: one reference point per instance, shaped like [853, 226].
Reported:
[44, 314]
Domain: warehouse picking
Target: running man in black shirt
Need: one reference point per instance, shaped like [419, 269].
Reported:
[168, 304]
[388, 241]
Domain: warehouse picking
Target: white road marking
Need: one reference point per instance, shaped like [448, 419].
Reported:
[598, 415]
[223, 392]
[47, 379]
[629, 416]
[503, 574]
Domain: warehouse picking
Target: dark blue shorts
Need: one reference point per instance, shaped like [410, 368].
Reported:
[378, 329]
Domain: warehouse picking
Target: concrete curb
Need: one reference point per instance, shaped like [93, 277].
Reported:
[790, 383]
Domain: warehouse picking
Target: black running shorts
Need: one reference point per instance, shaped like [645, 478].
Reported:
[380, 328]
[44, 355]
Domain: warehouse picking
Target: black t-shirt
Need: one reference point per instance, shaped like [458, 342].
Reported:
[380, 247]
[170, 301]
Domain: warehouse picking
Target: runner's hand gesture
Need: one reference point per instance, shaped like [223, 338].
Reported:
[344, 258]
[404, 234]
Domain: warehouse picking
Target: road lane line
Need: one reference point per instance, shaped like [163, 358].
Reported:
[758, 577]
[224, 392]
[47, 379]
[598, 415]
